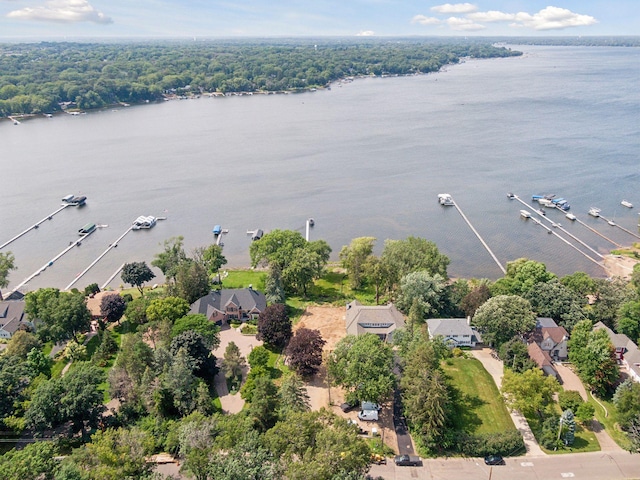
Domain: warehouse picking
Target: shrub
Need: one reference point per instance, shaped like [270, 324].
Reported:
[569, 399]
[91, 289]
[503, 443]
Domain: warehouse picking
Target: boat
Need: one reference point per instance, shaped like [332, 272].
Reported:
[546, 203]
[627, 204]
[312, 222]
[611, 222]
[87, 229]
[74, 200]
[594, 212]
[541, 212]
[511, 196]
[257, 234]
[525, 214]
[144, 222]
[571, 216]
[217, 230]
[445, 199]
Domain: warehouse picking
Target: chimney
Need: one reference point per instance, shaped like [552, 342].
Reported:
[469, 320]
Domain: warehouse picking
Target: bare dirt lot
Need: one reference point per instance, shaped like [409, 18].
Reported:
[619, 266]
[330, 321]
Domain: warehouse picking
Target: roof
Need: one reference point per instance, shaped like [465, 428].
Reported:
[545, 322]
[451, 327]
[380, 319]
[246, 299]
[539, 356]
[619, 340]
[630, 351]
[12, 315]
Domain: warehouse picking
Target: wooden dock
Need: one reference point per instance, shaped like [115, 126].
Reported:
[111, 246]
[34, 226]
[495, 259]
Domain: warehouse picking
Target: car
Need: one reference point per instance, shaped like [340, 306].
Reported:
[407, 461]
[347, 407]
[494, 460]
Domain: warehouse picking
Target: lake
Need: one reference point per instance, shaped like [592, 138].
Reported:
[366, 158]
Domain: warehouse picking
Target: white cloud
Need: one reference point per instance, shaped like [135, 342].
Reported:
[492, 16]
[455, 8]
[553, 18]
[423, 20]
[62, 11]
[465, 24]
[365, 33]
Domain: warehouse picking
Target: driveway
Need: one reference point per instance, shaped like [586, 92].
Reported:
[496, 369]
[232, 403]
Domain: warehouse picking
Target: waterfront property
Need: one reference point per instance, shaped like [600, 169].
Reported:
[456, 332]
[551, 338]
[240, 304]
[381, 320]
[627, 352]
[13, 318]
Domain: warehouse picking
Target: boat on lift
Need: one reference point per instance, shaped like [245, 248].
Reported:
[445, 199]
[594, 212]
[525, 214]
[626, 203]
[571, 216]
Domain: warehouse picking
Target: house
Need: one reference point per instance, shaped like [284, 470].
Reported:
[627, 352]
[551, 338]
[542, 359]
[456, 332]
[13, 318]
[240, 304]
[379, 320]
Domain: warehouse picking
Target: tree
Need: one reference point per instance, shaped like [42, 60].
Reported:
[476, 297]
[276, 248]
[137, 274]
[552, 299]
[180, 381]
[580, 283]
[63, 315]
[191, 281]
[377, 273]
[15, 378]
[211, 258]
[202, 362]
[247, 460]
[304, 351]
[167, 309]
[354, 257]
[264, 404]
[424, 288]
[522, 274]
[170, 259]
[198, 322]
[585, 413]
[567, 427]
[112, 307]
[7, 263]
[274, 325]
[594, 357]
[569, 400]
[35, 461]
[503, 317]
[292, 396]
[530, 392]
[627, 402]
[609, 296]
[273, 288]
[233, 364]
[363, 365]
[515, 355]
[136, 311]
[21, 343]
[402, 257]
[628, 321]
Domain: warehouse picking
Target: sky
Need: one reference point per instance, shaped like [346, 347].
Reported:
[48, 19]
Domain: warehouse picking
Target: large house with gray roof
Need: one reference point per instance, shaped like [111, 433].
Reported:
[13, 318]
[456, 332]
[627, 352]
[239, 304]
[381, 320]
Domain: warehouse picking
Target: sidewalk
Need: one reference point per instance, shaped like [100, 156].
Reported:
[496, 369]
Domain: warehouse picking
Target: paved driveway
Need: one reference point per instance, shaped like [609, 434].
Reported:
[232, 403]
[496, 369]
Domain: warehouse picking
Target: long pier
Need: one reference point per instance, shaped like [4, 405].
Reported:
[110, 279]
[111, 246]
[50, 263]
[34, 226]
[614, 224]
[479, 237]
[598, 233]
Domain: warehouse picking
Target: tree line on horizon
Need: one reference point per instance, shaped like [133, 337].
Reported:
[38, 77]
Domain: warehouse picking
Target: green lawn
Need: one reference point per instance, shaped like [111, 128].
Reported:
[609, 424]
[480, 408]
[244, 278]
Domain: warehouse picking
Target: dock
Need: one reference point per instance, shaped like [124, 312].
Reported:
[35, 225]
[50, 263]
[613, 224]
[111, 246]
[106, 284]
[495, 259]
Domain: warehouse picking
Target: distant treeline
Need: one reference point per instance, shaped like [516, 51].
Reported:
[39, 77]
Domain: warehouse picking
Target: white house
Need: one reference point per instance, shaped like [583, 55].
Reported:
[456, 331]
[381, 320]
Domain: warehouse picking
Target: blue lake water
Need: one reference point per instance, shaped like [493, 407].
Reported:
[367, 158]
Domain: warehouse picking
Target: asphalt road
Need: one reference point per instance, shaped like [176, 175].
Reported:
[583, 466]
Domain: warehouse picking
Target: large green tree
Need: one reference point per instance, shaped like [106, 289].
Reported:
[363, 365]
[425, 289]
[169, 260]
[137, 274]
[412, 254]
[36, 461]
[7, 263]
[63, 315]
[354, 257]
[552, 299]
[628, 321]
[274, 325]
[503, 317]
[530, 392]
[522, 275]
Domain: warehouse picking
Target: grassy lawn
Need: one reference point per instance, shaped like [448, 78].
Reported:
[244, 278]
[480, 408]
[609, 424]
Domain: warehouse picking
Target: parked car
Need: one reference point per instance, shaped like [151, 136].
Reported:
[347, 407]
[494, 460]
[407, 461]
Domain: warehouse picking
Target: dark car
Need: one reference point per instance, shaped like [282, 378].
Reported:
[407, 461]
[494, 460]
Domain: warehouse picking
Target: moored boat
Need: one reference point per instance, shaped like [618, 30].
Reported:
[627, 204]
[445, 199]
[144, 222]
[217, 230]
[74, 200]
[571, 216]
[525, 214]
[87, 229]
[594, 212]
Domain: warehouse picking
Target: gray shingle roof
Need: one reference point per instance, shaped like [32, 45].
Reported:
[247, 299]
